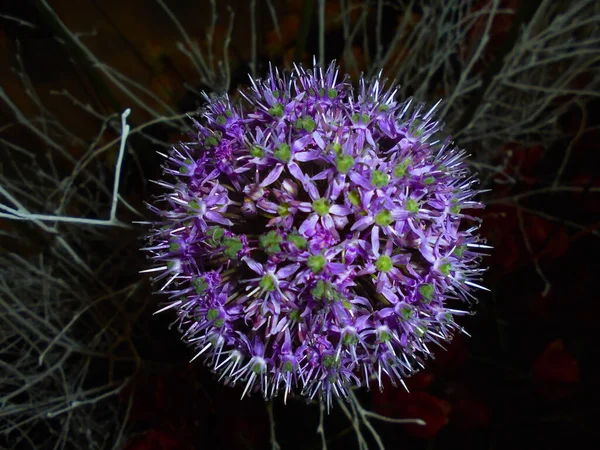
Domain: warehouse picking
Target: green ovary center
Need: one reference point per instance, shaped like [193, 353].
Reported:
[321, 207]
[384, 263]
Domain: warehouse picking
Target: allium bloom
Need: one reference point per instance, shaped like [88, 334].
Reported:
[312, 238]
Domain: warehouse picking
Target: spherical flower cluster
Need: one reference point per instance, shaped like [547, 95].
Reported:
[312, 238]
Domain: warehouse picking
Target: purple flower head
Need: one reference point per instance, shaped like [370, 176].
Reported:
[312, 238]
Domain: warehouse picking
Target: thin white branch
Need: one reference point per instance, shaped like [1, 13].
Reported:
[274, 443]
[321, 427]
[19, 21]
[274, 19]
[195, 55]
[96, 62]
[475, 58]
[21, 212]
[124, 133]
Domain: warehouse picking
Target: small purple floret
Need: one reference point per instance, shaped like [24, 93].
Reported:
[312, 239]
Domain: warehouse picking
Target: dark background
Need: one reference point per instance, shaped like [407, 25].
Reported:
[526, 378]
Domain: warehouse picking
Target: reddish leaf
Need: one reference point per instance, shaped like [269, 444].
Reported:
[469, 414]
[433, 410]
[469, 411]
[555, 372]
[500, 225]
[157, 440]
[455, 355]
[500, 228]
[398, 403]
[420, 381]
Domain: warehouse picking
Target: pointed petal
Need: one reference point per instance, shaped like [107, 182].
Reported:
[318, 140]
[375, 240]
[360, 180]
[254, 265]
[308, 226]
[300, 144]
[336, 268]
[339, 210]
[217, 218]
[273, 175]
[361, 224]
[307, 156]
[287, 271]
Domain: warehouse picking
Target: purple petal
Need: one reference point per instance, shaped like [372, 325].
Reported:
[276, 305]
[375, 240]
[304, 206]
[308, 226]
[340, 222]
[418, 231]
[360, 180]
[287, 271]
[366, 270]
[217, 218]
[254, 191]
[287, 343]
[336, 268]
[389, 294]
[426, 251]
[339, 210]
[275, 329]
[307, 156]
[214, 190]
[300, 144]
[242, 169]
[399, 214]
[258, 322]
[258, 347]
[358, 300]
[360, 140]
[319, 140]
[306, 183]
[361, 224]
[323, 175]
[369, 137]
[362, 322]
[366, 196]
[290, 187]
[296, 172]
[312, 190]
[401, 259]
[335, 188]
[417, 171]
[273, 175]
[387, 126]
[329, 224]
[267, 206]
[254, 266]
[405, 143]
